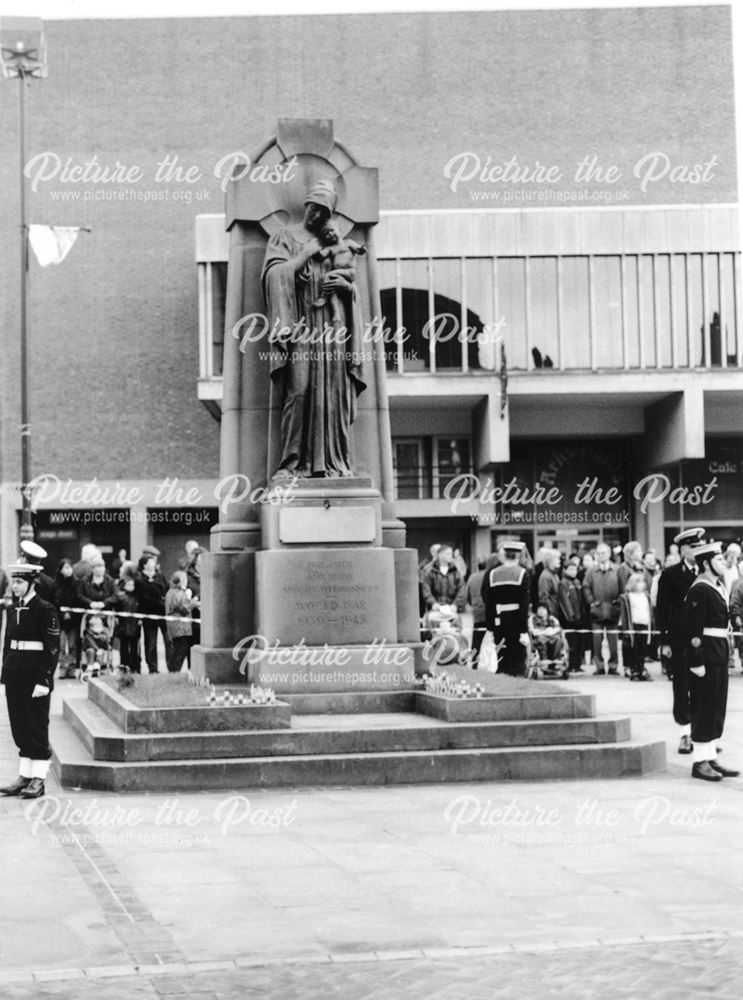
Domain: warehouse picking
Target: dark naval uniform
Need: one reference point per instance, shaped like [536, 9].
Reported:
[30, 657]
[505, 592]
[670, 617]
[707, 619]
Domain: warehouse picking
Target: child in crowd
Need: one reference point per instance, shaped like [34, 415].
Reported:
[178, 604]
[96, 647]
[636, 625]
[127, 629]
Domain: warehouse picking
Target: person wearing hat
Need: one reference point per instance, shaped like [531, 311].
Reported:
[505, 592]
[30, 655]
[34, 553]
[670, 620]
[707, 629]
[318, 381]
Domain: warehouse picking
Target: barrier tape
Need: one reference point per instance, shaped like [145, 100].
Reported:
[609, 631]
[129, 614]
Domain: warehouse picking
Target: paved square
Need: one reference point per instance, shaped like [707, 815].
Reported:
[625, 888]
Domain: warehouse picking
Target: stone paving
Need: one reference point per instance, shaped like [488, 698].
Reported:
[626, 888]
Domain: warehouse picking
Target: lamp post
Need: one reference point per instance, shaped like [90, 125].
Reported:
[23, 57]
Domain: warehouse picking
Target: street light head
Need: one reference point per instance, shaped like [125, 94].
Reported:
[23, 47]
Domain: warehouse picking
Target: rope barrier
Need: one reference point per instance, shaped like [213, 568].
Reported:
[127, 614]
[608, 631]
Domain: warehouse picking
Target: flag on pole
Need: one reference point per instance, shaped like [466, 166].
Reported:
[51, 244]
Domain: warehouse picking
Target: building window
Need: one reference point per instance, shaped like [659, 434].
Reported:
[424, 466]
[212, 298]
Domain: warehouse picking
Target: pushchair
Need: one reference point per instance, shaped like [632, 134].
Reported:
[548, 652]
[97, 647]
[444, 643]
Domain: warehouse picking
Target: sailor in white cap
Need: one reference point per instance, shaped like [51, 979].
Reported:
[505, 592]
[707, 627]
[32, 552]
[670, 618]
[30, 658]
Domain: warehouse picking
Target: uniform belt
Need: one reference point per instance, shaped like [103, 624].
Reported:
[507, 607]
[26, 644]
[716, 633]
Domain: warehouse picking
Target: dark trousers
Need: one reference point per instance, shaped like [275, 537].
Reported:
[181, 652]
[149, 633]
[708, 698]
[511, 656]
[633, 653]
[29, 719]
[576, 645]
[129, 652]
[679, 670]
[69, 639]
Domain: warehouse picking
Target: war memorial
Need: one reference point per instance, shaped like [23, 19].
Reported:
[310, 591]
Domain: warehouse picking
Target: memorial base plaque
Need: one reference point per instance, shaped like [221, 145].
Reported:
[334, 596]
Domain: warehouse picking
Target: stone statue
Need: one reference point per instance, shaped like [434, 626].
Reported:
[315, 328]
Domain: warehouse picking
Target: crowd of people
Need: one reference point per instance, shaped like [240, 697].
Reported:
[124, 610]
[599, 601]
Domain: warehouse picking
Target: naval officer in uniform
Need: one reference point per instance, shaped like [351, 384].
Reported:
[670, 618]
[30, 658]
[707, 626]
[505, 592]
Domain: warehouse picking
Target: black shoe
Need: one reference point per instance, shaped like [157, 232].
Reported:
[598, 670]
[645, 676]
[705, 771]
[686, 746]
[726, 772]
[613, 671]
[34, 789]
[16, 788]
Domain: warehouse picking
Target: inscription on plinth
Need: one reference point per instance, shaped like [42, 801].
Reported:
[344, 596]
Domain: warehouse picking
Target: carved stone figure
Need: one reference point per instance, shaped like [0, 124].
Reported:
[315, 330]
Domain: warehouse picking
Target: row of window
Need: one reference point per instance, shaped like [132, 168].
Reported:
[568, 312]
[634, 311]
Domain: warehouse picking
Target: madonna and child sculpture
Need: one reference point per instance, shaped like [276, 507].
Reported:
[309, 283]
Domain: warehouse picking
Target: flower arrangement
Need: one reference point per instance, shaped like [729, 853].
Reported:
[256, 696]
[124, 678]
[450, 687]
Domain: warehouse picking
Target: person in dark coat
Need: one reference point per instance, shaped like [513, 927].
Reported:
[150, 594]
[707, 636]
[442, 582]
[152, 550]
[473, 596]
[670, 620]
[505, 592]
[127, 629]
[572, 614]
[66, 596]
[601, 594]
[193, 574]
[30, 656]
